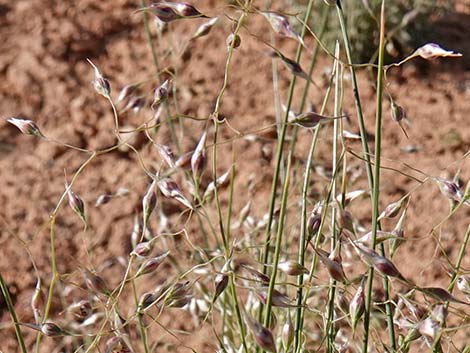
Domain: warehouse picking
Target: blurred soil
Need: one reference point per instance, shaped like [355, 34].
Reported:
[45, 77]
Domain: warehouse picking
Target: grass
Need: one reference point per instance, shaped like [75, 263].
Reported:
[227, 269]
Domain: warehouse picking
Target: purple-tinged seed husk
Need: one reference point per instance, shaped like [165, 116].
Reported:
[126, 92]
[341, 301]
[357, 304]
[111, 344]
[151, 264]
[463, 284]
[162, 11]
[143, 249]
[198, 159]
[450, 189]
[262, 335]
[233, 40]
[221, 181]
[161, 94]
[170, 189]
[76, 203]
[103, 199]
[431, 51]
[292, 268]
[184, 161]
[393, 209]
[149, 201]
[136, 231]
[166, 154]
[310, 120]
[287, 333]
[27, 127]
[50, 329]
[100, 84]
[259, 276]
[281, 26]
[333, 265]
[95, 283]
[81, 310]
[221, 282]
[185, 10]
[399, 234]
[440, 294]
[278, 299]
[146, 300]
[205, 28]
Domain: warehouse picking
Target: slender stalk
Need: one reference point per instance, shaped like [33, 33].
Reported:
[329, 327]
[376, 190]
[11, 310]
[277, 250]
[280, 147]
[157, 69]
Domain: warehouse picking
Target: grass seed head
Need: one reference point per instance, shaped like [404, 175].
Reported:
[27, 127]
[185, 10]
[100, 84]
[262, 335]
[287, 333]
[357, 304]
[170, 189]
[463, 284]
[152, 264]
[205, 28]
[95, 283]
[81, 310]
[149, 201]
[76, 203]
[163, 11]
[50, 329]
[161, 94]
[281, 26]
[233, 40]
[292, 268]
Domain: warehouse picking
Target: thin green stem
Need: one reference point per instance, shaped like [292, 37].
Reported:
[376, 185]
[11, 310]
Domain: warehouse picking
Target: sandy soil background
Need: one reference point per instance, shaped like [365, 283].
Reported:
[45, 77]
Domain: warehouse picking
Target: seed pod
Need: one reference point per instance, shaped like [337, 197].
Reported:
[287, 334]
[146, 300]
[103, 199]
[126, 92]
[431, 51]
[281, 26]
[27, 127]
[151, 264]
[52, 330]
[341, 301]
[185, 10]
[149, 202]
[100, 84]
[161, 94]
[292, 65]
[380, 237]
[166, 154]
[205, 28]
[143, 249]
[37, 300]
[222, 180]
[263, 336]
[233, 40]
[333, 266]
[95, 283]
[184, 160]
[163, 11]
[450, 189]
[198, 159]
[357, 304]
[171, 190]
[76, 203]
[112, 344]
[440, 294]
[393, 209]
[292, 268]
[277, 299]
[135, 103]
[259, 276]
[310, 120]
[221, 282]
[136, 231]
[399, 234]
[463, 284]
[380, 263]
[81, 310]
